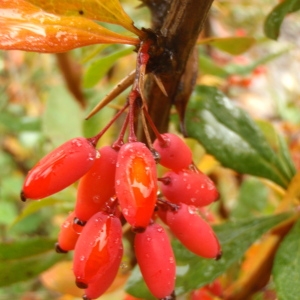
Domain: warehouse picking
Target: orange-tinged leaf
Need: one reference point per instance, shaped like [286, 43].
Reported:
[60, 278]
[101, 10]
[24, 26]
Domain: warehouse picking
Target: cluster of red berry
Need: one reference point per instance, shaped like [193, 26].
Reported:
[119, 184]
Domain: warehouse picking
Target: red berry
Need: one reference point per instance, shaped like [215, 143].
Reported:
[97, 186]
[67, 236]
[136, 184]
[174, 153]
[215, 288]
[60, 168]
[104, 280]
[189, 187]
[97, 248]
[192, 231]
[155, 257]
[201, 294]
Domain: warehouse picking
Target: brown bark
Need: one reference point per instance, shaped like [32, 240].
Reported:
[179, 23]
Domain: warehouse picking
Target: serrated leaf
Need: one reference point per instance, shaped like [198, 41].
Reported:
[275, 17]
[287, 265]
[62, 118]
[101, 10]
[194, 272]
[228, 133]
[26, 259]
[27, 27]
[100, 67]
[231, 45]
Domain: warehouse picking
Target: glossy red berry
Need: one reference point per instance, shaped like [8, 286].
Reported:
[60, 168]
[192, 231]
[104, 280]
[155, 257]
[174, 153]
[97, 186]
[67, 236]
[189, 187]
[136, 184]
[97, 248]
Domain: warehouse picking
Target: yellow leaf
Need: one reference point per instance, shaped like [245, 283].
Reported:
[27, 27]
[101, 10]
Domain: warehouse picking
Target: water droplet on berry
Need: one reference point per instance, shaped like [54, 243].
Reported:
[77, 142]
[98, 154]
[96, 199]
[66, 224]
[171, 260]
[118, 182]
[192, 210]
[159, 229]
[91, 156]
[82, 258]
[125, 211]
[188, 186]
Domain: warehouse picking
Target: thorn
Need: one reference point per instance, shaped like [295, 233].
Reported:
[160, 85]
[116, 91]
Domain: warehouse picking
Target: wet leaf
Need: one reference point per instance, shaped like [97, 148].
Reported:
[100, 67]
[101, 10]
[194, 272]
[228, 133]
[276, 16]
[231, 45]
[287, 264]
[26, 259]
[27, 27]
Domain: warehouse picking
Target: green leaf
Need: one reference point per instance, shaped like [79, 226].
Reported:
[275, 18]
[62, 119]
[26, 259]
[287, 265]
[232, 45]
[252, 199]
[35, 206]
[194, 272]
[100, 67]
[279, 145]
[228, 133]
[208, 66]
[247, 69]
